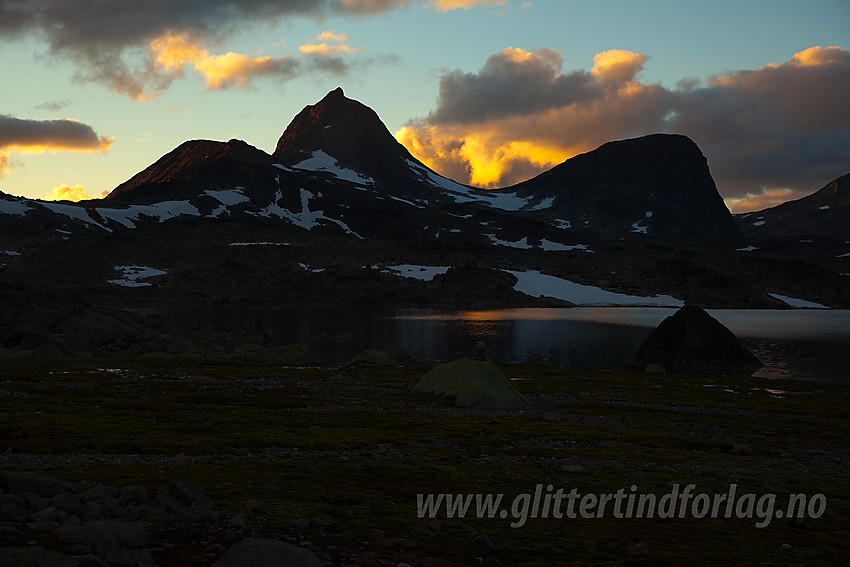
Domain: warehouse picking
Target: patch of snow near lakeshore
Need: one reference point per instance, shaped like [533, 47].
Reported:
[639, 229]
[824, 208]
[843, 255]
[11, 253]
[521, 244]
[320, 161]
[550, 246]
[749, 248]
[535, 284]
[13, 207]
[132, 275]
[648, 214]
[758, 223]
[422, 273]
[259, 243]
[562, 224]
[798, 303]
[228, 196]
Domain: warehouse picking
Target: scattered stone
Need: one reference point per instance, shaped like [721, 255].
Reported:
[375, 358]
[693, 341]
[431, 524]
[484, 543]
[266, 552]
[255, 506]
[741, 449]
[373, 534]
[637, 549]
[654, 368]
[34, 557]
[340, 512]
[179, 459]
[473, 383]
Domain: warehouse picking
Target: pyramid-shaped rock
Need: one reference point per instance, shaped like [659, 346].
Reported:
[473, 383]
[691, 340]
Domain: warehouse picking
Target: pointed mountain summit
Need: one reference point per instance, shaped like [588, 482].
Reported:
[823, 214]
[344, 137]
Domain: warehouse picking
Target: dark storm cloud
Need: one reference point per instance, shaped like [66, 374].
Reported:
[36, 136]
[107, 39]
[60, 134]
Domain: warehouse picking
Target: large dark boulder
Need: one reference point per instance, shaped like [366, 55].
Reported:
[691, 340]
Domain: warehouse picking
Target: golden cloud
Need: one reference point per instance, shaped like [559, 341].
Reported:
[171, 52]
[323, 48]
[506, 143]
[448, 5]
[67, 192]
[618, 65]
[761, 200]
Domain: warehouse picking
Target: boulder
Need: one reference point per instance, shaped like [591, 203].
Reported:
[691, 340]
[473, 383]
[265, 552]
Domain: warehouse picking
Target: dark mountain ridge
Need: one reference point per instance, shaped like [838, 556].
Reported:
[338, 168]
[825, 214]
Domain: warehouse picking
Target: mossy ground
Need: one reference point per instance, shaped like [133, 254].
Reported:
[360, 437]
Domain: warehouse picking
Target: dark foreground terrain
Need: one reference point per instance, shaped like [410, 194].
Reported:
[173, 461]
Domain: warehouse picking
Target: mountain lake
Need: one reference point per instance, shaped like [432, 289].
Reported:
[804, 344]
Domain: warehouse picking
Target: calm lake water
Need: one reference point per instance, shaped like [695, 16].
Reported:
[801, 344]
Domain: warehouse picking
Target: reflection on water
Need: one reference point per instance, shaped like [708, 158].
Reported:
[799, 344]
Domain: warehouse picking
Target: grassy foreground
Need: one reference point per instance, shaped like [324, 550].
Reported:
[350, 448]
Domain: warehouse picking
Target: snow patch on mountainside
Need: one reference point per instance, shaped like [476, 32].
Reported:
[306, 219]
[463, 194]
[422, 273]
[522, 243]
[160, 211]
[797, 303]
[535, 284]
[550, 246]
[132, 274]
[228, 196]
[13, 207]
[320, 161]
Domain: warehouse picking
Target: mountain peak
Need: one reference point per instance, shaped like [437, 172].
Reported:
[333, 125]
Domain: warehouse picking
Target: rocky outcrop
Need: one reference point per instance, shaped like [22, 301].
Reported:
[691, 340]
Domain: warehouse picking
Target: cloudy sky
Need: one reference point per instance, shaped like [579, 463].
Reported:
[488, 92]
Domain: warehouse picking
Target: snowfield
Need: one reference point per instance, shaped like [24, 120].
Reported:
[797, 303]
[421, 273]
[320, 161]
[535, 284]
